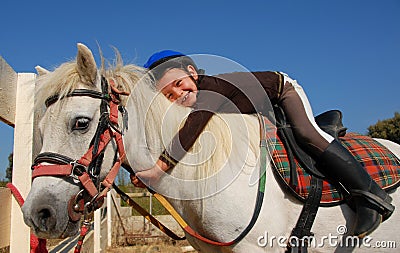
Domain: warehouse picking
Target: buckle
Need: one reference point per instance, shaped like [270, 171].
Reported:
[77, 169]
[124, 114]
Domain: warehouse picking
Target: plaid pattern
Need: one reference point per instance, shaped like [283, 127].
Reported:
[381, 164]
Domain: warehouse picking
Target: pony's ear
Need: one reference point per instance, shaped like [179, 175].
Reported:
[41, 71]
[87, 68]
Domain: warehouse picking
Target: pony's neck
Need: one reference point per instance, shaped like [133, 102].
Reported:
[154, 120]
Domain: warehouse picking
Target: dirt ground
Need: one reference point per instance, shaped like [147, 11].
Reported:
[154, 247]
[130, 240]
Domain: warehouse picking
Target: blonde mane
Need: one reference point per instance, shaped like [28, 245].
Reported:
[65, 78]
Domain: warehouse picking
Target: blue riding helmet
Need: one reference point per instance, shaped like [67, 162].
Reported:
[162, 56]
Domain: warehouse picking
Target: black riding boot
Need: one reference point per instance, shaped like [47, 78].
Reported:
[371, 202]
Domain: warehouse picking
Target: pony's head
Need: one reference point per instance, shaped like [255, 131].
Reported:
[78, 102]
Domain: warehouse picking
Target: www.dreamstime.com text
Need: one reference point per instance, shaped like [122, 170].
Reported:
[330, 240]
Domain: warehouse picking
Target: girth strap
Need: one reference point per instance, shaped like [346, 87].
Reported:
[302, 231]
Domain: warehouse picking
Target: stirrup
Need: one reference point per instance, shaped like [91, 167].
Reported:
[383, 205]
[371, 229]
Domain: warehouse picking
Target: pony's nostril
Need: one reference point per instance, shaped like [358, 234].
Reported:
[45, 220]
[44, 213]
[44, 216]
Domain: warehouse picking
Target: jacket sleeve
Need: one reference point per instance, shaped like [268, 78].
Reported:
[186, 137]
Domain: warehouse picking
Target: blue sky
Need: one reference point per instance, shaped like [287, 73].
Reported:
[345, 53]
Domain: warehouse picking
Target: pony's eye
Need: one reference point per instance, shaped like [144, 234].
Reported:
[81, 124]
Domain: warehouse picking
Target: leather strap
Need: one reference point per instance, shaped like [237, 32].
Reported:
[78, 92]
[285, 132]
[146, 214]
[302, 230]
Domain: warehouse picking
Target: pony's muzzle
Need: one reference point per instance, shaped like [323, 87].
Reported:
[42, 219]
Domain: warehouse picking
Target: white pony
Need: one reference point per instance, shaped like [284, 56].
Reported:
[214, 188]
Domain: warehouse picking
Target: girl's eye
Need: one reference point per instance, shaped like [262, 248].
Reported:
[81, 124]
[178, 83]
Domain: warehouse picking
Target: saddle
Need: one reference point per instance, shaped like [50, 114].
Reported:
[330, 122]
[295, 168]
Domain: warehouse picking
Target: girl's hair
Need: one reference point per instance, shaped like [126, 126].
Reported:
[161, 66]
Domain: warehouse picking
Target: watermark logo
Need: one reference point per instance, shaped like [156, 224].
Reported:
[340, 239]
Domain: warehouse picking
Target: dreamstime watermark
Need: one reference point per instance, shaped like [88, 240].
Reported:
[330, 240]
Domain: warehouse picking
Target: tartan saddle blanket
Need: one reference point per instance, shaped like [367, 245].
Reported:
[379, 161]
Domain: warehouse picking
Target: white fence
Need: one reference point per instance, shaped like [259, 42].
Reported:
[16, 109]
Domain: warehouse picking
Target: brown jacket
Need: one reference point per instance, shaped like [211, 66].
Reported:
[238, 92]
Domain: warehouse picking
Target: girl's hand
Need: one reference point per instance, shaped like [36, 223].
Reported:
[149, 177]
[136, 181]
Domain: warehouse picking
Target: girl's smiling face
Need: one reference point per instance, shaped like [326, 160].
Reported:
[178, 86]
